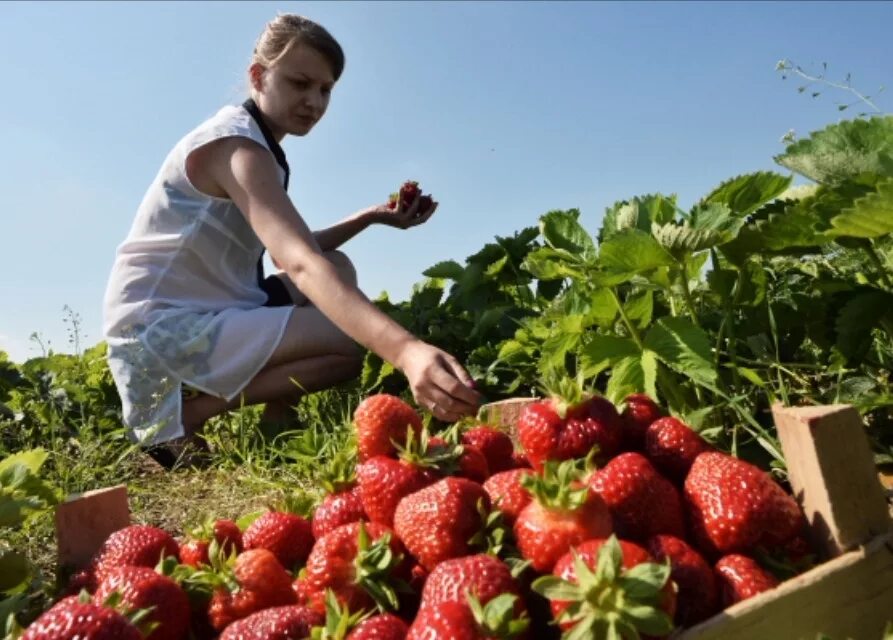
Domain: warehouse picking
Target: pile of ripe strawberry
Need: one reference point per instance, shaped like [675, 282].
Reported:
[608, 525]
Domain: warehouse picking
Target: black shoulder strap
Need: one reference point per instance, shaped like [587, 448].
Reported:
[251, 107]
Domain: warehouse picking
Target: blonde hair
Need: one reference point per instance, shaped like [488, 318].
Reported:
[287, 30]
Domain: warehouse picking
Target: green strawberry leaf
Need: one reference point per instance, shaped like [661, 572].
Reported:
[547, 263]
[633, 251]
[449, 269]
[746, 193]
[843, 150]
[870, 216]
[602, 352]
[15, 570]
[684, 348]
[562, 230]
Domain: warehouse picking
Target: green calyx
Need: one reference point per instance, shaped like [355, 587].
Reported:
[339, 473]
[497, 618]
[555, 489]
[373, 566]
[611, 602]
[339, 620]
[419, 452]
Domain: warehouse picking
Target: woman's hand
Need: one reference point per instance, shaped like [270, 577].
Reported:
[400, 217]
[438, 382]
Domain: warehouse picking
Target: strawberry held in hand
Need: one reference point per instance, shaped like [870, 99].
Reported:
[407, 195]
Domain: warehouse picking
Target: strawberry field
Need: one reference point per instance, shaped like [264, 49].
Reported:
[647, 490]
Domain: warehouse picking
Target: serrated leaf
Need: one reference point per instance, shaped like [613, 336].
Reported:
[562, 230]
[744, 194]
[639, 213]
[32, 460]
[679, 239]
[640, 308]
[602, 352]
[869, 217]
[449, 269]
[843, 150]
[684, 348]
[627, 377]
[633, 251]
[547, 263]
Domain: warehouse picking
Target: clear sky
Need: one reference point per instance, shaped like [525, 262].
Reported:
[503, 110]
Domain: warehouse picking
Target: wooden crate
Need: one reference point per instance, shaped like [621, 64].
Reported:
[849, 595]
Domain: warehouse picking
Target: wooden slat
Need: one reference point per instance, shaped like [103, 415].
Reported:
[848, 597]
[85, 520]
[833, 476]
[504, 414]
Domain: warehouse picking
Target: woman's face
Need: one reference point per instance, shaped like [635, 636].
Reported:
[294, 93]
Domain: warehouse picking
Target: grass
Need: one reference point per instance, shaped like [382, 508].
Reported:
[248, 472]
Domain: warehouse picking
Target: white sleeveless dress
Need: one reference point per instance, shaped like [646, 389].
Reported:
[183, 304]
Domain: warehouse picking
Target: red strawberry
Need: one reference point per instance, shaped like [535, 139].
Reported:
[464, 461]
[734, 506]
[136, 545]
[639, 411]
[261, 582]
[359, 562]
[520, 461]
[496, 446]
[469, 621]
[485, 576]
[642, 502]
[437, 522]
[740, 578]
[194, 551]
[561, 514]
[407, 194]
[385, 481]
[70, 618]
[507, 494]
[554, 429]
[672, 446]
[646, 603]
[384, 626]
[287, 535]
[697, 597]
[299, 586]
[381, 419]
[338, 509]
[277, 623]
[142, 588]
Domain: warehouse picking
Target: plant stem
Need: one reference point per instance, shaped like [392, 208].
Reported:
[689, 301]
[634, 334]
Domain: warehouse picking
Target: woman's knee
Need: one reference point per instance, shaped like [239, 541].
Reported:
[343, 264]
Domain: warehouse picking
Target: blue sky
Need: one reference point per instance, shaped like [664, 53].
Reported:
[503, 110]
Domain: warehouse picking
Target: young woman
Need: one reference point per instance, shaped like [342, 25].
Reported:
[192, 326]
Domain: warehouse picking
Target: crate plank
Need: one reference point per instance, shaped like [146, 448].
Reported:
[85, 520]
[504, 414]
[848, 597]
[833, 476]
